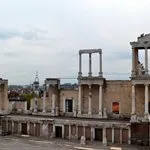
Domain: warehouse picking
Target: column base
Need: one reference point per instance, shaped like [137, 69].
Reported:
[100, 74]
[105, 141]
[79, 112]
[74, 113]
[80, 74]
[90, 74]
[44, 111]
[100, 114]
[133, 118]
[146, 117]
[90, 113]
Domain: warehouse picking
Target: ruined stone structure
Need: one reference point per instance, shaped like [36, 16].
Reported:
[3, 96]
[99, 110]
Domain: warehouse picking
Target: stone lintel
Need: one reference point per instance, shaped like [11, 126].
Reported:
[87, 51]
[91, 80]
[142, 82]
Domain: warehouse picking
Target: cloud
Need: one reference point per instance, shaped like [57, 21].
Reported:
[46, 36]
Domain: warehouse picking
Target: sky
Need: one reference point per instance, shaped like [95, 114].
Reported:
[46, 36]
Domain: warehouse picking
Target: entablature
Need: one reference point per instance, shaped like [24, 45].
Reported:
[91, 80]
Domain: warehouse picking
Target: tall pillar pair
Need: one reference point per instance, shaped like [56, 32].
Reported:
[146, 112]
[90, 100]
[135, 61]
[90, 64]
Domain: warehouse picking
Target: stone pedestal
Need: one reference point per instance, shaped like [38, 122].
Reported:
[105, 141]
[133, 118]
[44, 130]
[105, 113]
[83, 140]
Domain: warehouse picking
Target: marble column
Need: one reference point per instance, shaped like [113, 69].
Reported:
[113, 135]
[120, 135]
[44, 103]
[63, 132]
[53, 104]
[6, 124]
[34, 129]
[84, 131]
[146, 99]
[80, 64]
[12, 127]
[146, 61]
[69, 131]
[90, 64]
[133, 62]
[129, 135]
[28, 128]
[79, 100]
[92, 133]
[76, 131]
[100, 100]
[19, 127]
[104, 136]
[25, 105]
[100, 65]
[90, 101]
[133, 99]
[54, 131]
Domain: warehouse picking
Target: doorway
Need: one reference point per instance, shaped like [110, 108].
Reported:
[98, 134]
[58, 131]
[24, 129]
[68, 105]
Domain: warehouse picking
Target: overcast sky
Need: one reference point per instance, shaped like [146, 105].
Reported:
[45, 36]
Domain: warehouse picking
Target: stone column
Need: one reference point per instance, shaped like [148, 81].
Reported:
[19, 127]
[53, 104]
[104, 136]
[92, 133]
[100, 65]
[12, 126]
[120, 135]
[79, 100]
[84, 131]
[28, 128]
[146, 61]
[90, 101]
[133, 62]
[44, 104]
[54, 132]
[76, 131]
[90, 64]
[69, 131]
[129, 135]
[133, 99]
[6, 125]
[63, 132]
[80, 64]
[146, 100]
[100, 100]
[25, 105]
[34, 129]
[113, 135]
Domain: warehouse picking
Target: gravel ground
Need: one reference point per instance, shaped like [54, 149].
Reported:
[30, 143]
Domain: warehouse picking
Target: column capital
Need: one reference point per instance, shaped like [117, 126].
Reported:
[146, 84]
